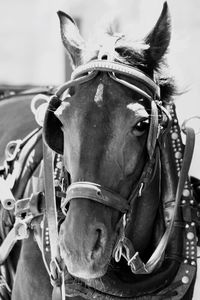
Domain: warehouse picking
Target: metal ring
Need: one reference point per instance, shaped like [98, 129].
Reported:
[36, 99]
[12, 149]
[184, 125]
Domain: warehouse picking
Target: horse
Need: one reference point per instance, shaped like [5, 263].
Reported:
[122, 221]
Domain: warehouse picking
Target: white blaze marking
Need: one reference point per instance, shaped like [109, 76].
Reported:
[98, 98]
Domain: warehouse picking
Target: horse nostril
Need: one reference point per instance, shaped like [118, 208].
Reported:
[99, 243]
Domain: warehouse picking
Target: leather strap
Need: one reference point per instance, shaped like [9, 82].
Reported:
[57, 274]
[110, 66]
[95, 192]
[50, 199]
[137, 266]
[61, 89]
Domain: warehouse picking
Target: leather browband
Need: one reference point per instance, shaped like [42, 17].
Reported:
[114, 67]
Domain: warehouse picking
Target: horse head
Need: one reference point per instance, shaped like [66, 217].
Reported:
[104, 131]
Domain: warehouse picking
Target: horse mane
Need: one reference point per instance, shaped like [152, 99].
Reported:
[133, 53]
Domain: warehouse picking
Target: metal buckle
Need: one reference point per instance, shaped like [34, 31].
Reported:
[189, 121]
[12, 150]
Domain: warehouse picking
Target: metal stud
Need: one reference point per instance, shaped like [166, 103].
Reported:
[174, 136]
[190, 235]
[59, 164]
[178, 155]
[185, 279]
[186, 192]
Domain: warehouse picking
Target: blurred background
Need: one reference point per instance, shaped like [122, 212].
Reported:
[31, 51]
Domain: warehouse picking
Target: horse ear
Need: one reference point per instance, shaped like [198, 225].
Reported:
[159, 38]
[71, 38]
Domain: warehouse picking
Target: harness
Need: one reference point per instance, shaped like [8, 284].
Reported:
[38, 206]
[107, 197]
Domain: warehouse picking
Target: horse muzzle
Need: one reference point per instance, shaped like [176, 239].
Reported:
[87, 240]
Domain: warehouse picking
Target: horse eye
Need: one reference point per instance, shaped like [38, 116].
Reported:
[141, 127]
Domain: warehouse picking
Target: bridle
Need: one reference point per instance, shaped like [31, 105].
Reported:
[98, 193]
[159, 125]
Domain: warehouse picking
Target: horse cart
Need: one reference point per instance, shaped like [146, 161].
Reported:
[96, 200]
